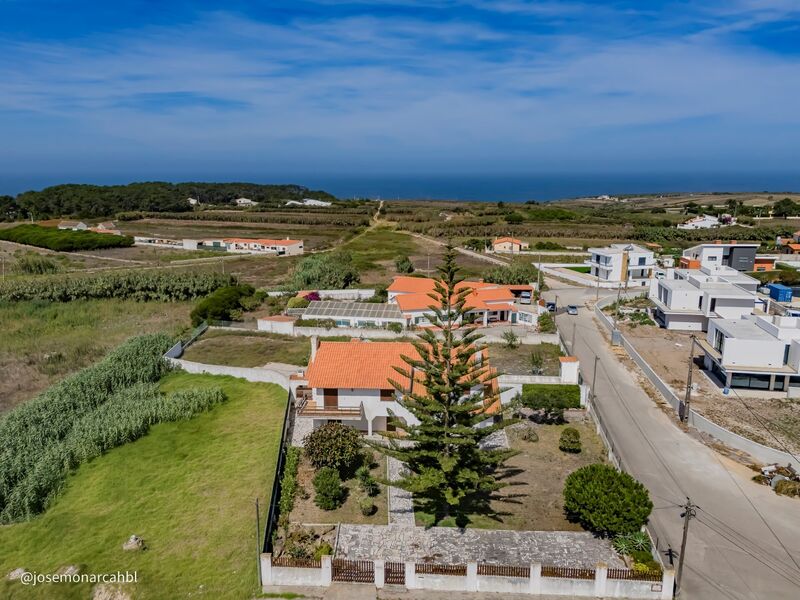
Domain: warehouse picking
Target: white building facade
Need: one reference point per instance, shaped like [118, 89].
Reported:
[623, 263]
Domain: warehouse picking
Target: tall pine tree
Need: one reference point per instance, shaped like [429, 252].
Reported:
[449, 388]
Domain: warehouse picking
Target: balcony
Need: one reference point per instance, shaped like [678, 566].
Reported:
[311, 409]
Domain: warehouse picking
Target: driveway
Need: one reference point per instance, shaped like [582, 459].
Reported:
[745, 541]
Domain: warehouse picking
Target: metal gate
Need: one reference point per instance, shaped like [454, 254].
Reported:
[357, 571]
[394, 573]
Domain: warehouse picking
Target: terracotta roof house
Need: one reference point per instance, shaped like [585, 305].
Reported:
[487, 303]
[509, 244]
[351, 382]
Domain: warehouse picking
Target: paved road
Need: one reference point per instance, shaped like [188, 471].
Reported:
[745, 541]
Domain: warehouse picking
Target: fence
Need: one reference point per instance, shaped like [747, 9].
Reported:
[533, 579]
[258, 374]
[274, 506]
[758, 451]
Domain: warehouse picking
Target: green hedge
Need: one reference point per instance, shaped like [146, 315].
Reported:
[546, 395]
[64, 240]
[32, 458]
[161, 285]
[222, 304]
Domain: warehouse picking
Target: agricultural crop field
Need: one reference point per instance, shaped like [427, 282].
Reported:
[195, 511]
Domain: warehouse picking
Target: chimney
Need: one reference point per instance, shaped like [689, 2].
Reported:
[733, 241]
[717, 241]
[314, 346]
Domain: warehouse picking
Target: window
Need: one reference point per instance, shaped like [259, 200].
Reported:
[713, 304]
[642, 260]
[330, 397]
[786, 354]
[712, 258]
[387, 395]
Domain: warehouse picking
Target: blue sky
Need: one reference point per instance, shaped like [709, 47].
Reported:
[101, 91]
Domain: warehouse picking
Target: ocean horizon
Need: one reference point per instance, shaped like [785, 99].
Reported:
[482, 188]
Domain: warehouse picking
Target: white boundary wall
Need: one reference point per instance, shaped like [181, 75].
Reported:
[759, 452]
[255, 374]
[535, 584]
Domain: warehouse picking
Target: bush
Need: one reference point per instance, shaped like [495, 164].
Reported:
[529, 435]
[367, 506]
[787, 487]
[366, 481]
[325, 271]
[289, 482]
[334, 445]
[514, 217]
[546, 323]
[162, 286]
[221, 304]
[606, 501]
[297, 302]
[570, 440]
[538, 396]
[324, 549]
[511, 339]
[328, 488]
[403, 264]
[63, 240]
[395, 327]
[35, 264]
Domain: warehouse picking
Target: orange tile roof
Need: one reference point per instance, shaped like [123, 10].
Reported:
[358, 364]
[568, 358]
[265, 242]
[794, 246]
[413, 293]
[507, 239]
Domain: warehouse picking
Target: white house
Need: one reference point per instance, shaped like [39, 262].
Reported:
[193, 201]
[245, 202]
[351, 382]
[509, 244]
[687, 299]
[738, 256]
[700, 222]
[285, 247]
[624, 263]
[73, 225]
[754, 352]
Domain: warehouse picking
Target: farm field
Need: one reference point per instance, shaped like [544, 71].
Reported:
[533, 499]
[44, 342]
[195, 511]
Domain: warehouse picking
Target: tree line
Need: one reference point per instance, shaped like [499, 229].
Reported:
[90, 201]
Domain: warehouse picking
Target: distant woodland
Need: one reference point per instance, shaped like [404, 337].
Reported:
[88, 201]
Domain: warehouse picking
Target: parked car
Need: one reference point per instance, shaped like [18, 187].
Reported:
[572, 309]
[551, 306]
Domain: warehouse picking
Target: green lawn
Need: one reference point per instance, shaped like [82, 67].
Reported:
[580, 269]
[377, 245]
[186, 488]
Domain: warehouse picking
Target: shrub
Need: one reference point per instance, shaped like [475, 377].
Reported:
[334, 445]
[514, 217]
[570, 440]
[289, 482]
[787, 487]
[546, 323]
[324, 549]
[529, 435]
[403, 264]
[367, 506]
[297, 302]
[511, 339]
[606, 501]
[395, 327]
[163, 286]
[366, 481]
[221, 304]
[328, 488]
[63, 240]
[312, 297]
[35, 264]
[327, 270]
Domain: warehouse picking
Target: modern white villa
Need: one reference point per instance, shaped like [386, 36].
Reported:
[623, 263]
[707, 222]
[754, 352]
[741, 257]
[687, 298]
[351, 382]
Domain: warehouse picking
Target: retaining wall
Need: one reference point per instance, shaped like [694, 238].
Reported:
[250, 374]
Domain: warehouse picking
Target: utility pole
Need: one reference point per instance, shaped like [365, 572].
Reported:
[594, 376]
[689, 513]
[688, 398]
[619, 293]
[572, 346]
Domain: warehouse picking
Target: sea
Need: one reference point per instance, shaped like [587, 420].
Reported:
[517, 187]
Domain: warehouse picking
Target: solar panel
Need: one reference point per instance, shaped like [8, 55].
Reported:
[352, 310]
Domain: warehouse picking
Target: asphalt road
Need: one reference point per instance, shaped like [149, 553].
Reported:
[745, 541]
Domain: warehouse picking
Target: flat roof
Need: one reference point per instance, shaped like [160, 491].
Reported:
[679, 284]
[742, 329]
[326, 309]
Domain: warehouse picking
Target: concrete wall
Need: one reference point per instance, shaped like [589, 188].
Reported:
[353, 332]
[759, 452]
[254, 374]
[282, 327]
[348, 294]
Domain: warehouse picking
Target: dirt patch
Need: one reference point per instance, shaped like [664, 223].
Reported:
[517, 361]
[755, 417]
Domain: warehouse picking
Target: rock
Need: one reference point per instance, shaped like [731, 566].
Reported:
[16, 574]
[69, 570]
[134, 543]
[108, 591]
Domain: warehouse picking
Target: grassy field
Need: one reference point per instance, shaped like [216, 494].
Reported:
[186, 488]
[517, 361]
[533, 499]
[248, 349]
[43, 342]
